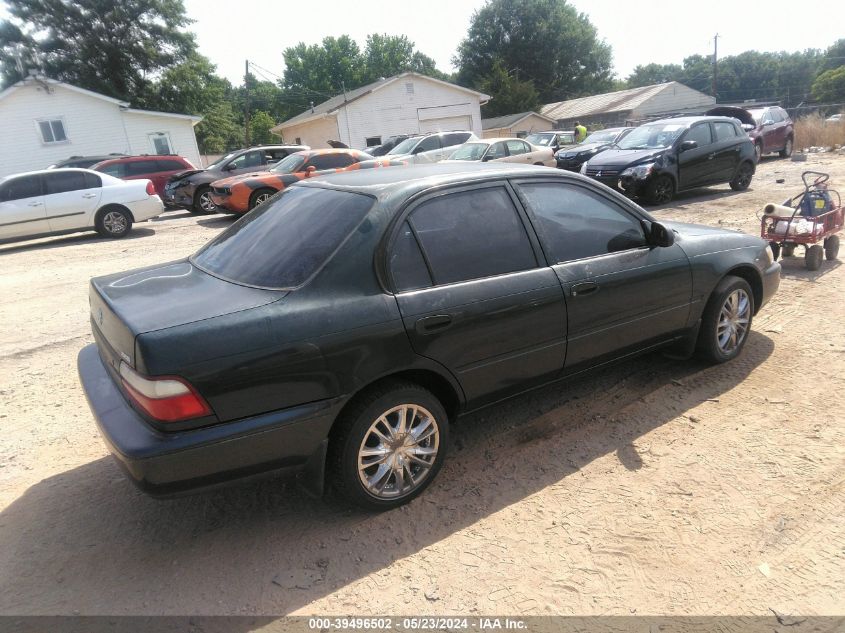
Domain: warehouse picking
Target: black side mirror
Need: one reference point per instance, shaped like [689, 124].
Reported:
[661, 236]
[230, 167]
[688, 145]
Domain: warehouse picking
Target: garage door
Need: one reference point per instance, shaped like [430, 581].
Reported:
[446, 124]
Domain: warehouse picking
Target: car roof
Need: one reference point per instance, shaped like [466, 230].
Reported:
[139, 157]
[689, 120]
[410, 179]
[338, 150]
[55, 170]
[496, 139]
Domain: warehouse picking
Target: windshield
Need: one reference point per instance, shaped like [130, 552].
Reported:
[469, 151]
[283, 243]
[406, 146]
[654, 136]
[543, 140]
[605, 136]
[221, 160]
[288, 164]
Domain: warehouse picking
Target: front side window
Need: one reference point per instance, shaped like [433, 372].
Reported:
[428, 144]
[406, 146]
[62, 181]
[20, 188]
[169, 165]
[274, 155]
[576, 223]
[471, 235]
[469, 151]
[247, 160]
[52, 131]
[282, 243]
[700, 133]
[497, 150]
[141, 167]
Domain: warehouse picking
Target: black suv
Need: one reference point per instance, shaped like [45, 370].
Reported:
[341, 326]
[84, 162]
[191, 189]
[663, 157]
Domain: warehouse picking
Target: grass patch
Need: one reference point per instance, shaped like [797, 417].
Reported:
[812, 131]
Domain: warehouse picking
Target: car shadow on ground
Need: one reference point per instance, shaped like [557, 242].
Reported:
[219, 220]
[70, 240]
[102, 547]
[705, 194]
[793, 267]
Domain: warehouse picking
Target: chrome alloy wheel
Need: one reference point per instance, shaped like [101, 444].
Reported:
[262, 198]
[398, 451]
[733, 321]
[114, 222]
[206, 203]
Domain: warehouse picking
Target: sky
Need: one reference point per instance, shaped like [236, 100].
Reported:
[640, 31]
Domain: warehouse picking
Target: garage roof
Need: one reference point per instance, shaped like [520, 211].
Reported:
[619, 101]
[509, 120]
[335, 103]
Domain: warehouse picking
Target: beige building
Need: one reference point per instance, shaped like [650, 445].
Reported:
[519, 125]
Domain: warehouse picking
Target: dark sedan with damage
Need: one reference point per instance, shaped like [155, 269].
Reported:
[342, 326]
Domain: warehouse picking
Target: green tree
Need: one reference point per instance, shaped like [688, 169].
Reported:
[653, 74]
[546, 41]
[834, 56]
[259, 128]
[220, 130]
[109, 47]
[509, 94]
[829, 87]
[191, 87]
[320, 71]
[388, 55]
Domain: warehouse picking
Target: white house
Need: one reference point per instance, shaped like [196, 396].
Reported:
[408, 103]
[520, 125]
[627, 106]
[43, 121]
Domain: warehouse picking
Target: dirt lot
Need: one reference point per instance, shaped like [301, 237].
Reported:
[658, 487]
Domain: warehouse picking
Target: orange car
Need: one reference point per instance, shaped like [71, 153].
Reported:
[240, 194]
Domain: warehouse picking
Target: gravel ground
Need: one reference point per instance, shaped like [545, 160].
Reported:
[656, 487]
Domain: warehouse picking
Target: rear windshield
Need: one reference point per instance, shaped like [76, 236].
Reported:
[282, 243]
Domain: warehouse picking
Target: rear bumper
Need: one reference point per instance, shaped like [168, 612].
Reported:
[166, 464]
[146, 209]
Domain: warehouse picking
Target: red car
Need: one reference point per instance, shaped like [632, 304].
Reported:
[769, 128]
[150, 167]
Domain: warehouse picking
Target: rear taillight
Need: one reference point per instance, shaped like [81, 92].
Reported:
[167, 399]
[151, 190]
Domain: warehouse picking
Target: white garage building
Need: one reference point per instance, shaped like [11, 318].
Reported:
[408, 103]
[43, 121]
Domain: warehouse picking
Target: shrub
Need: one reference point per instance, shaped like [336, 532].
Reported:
[813, 131]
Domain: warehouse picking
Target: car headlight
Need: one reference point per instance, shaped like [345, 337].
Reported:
[583, 169]
[770, 258]
[638, 171]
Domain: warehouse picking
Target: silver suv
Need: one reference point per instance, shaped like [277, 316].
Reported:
[430, 148]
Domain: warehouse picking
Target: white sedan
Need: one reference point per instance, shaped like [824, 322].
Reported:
[506, 150]
[56, 201]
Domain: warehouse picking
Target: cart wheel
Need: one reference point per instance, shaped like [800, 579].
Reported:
[775, 250]
[813, 257]
[788, 250]
[831, 247]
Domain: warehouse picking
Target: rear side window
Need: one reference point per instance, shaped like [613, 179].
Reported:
[724, 131]
[407, 264]
[20, 188]
[455, 138]
[283, 243]
[427, 144]
[576, 223]
[472, 234]
[497, 150]
[169, 165]
[63, 181]
[516, 147]
[141, 167]
[92, 181]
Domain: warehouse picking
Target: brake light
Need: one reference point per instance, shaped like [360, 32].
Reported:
[151, 190]
[167, 399]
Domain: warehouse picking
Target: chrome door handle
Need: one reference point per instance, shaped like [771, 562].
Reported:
[89, 195]
[35, 204]
[711, 156]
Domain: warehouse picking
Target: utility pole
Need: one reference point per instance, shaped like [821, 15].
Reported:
[246, 107]
[715, 65]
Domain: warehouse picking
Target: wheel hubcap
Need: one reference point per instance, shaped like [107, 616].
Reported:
[206, 203]
[733, 321]
[398, 451]
[260, 199]
[114, 222]
[661, 192]
[744, 178]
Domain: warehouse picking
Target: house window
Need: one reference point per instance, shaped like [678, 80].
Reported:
[298, 141]
[372, 141]
[161, 143]
[52, 131]
[409, 88]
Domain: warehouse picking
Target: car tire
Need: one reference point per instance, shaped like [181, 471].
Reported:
[758, 151]
[726, 321]
[786, 152]
[788, 250]
[203, 204]
[813, 257]
[372, 424]
[742, 179]
[259, 196]
[114, 222]
[831, 248]
[660, 189]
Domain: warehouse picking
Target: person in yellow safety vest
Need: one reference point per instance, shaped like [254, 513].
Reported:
[580, 132]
